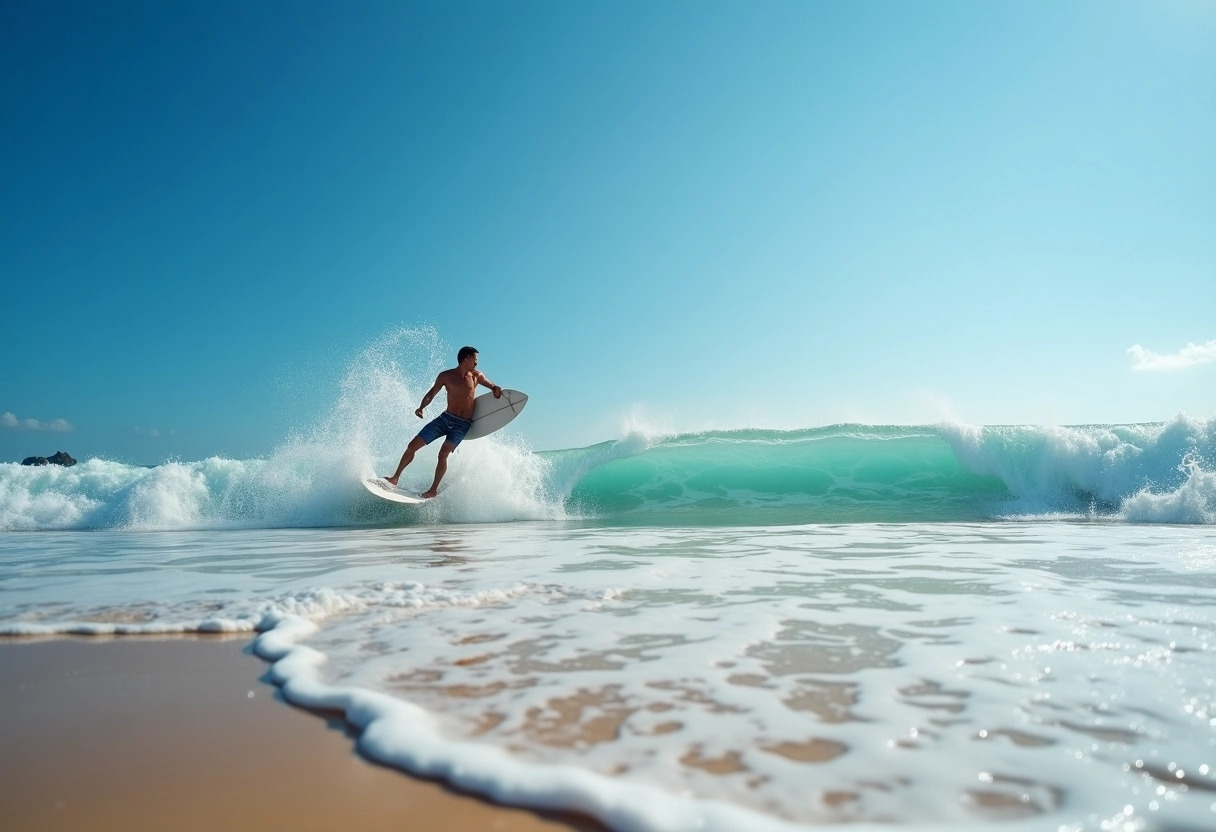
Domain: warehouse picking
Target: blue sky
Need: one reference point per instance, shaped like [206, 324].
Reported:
[679, 215]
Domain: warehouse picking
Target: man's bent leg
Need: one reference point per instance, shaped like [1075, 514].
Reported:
[415, 445]
[441, 468]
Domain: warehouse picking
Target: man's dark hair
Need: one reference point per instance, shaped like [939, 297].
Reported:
[464, 353]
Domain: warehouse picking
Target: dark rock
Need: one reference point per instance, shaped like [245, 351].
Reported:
[60, 458]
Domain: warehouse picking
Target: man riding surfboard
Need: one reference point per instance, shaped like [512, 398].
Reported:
[461, 383]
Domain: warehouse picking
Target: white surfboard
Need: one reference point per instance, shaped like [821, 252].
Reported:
[490, 414]
[382, 489]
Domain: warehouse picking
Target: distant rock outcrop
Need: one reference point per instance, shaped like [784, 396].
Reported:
[60, 458]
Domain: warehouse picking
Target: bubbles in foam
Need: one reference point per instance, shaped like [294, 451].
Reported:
[493, 480]
[1192, 502]
[51, 497]
[1132, 468]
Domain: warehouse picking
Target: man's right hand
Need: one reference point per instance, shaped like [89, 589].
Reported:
[418, 413]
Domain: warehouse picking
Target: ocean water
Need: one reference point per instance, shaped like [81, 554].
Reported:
[935, 627]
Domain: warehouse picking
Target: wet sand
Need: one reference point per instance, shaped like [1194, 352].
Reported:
[187, 734]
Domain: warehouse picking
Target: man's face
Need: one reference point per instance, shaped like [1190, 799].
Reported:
[470, 363]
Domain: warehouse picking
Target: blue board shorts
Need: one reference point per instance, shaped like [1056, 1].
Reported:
[446, 424]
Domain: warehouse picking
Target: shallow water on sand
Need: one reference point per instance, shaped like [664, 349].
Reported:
[1032, 674]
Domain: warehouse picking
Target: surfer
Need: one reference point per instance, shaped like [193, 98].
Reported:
[461, 384]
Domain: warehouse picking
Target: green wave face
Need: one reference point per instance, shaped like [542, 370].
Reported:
[875, 475]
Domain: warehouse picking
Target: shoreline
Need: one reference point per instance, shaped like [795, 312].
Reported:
[189, 733]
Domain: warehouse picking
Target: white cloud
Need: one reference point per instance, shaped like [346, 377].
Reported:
[1189, 356]
[10, 420]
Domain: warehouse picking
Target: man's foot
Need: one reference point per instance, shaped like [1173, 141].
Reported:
[429, 494]
[391, 481]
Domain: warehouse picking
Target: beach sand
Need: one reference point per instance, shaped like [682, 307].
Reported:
[142, 733]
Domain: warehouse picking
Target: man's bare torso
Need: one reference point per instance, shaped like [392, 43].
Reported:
[461, 389]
